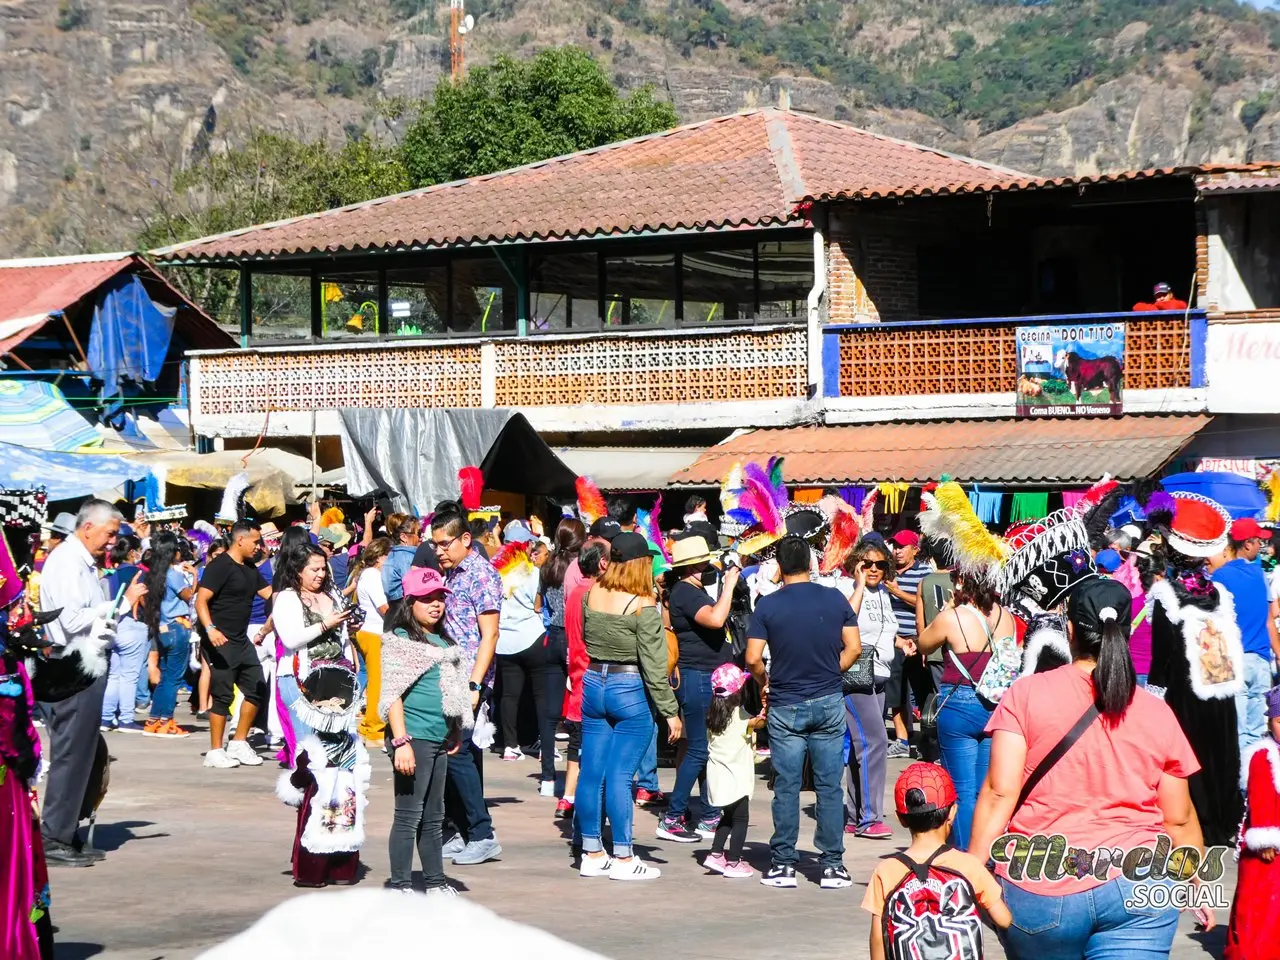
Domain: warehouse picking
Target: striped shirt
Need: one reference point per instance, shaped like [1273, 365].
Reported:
[909, 580]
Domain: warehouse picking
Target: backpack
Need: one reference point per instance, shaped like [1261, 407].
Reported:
[932, 914]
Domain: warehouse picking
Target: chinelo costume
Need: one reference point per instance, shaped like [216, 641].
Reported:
[330, 779]
[1197, 661]
[1251, 933]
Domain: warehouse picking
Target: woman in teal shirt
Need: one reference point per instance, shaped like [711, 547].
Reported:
[426, 702]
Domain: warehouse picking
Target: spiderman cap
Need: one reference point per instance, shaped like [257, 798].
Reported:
[932, 781]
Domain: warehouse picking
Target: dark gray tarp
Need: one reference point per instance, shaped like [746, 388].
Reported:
[415, 455]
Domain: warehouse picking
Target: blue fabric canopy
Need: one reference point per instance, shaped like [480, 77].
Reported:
[1238, 494]
[34, 413]
[65, 476]
[130, 335]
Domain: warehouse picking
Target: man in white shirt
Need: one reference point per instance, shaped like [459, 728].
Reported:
[70, 583]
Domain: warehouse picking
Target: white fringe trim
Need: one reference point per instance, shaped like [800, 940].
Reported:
[286, 792]
[1262, 838]
[1193, 620]
[1272, 749]
[1044, 638]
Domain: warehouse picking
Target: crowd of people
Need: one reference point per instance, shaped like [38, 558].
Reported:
[1103, 674]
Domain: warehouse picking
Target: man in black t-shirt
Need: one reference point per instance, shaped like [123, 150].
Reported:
[224, 602]
[812, 635]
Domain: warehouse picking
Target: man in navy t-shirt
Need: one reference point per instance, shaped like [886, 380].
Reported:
[812, 636]
[1245, 581]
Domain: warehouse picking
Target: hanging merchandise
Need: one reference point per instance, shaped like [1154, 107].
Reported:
[893, 495]
[24, 508]
[1071, 498]
[853, 496]
[1028, 506]
[986, 504]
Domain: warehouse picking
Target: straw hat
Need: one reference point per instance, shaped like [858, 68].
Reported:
[689, 550]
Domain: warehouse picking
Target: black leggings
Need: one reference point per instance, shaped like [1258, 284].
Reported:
[734, 819]
[419, 815]
[529, 664]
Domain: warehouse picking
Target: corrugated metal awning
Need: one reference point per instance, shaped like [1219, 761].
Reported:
[1030, 452]
[628, 468]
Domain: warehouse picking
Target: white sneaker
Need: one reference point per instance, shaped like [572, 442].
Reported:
[220, 759]
[512, 753]
[445, 891]
[547, 788]
[240, 750]
[633, 869]
[595, 866]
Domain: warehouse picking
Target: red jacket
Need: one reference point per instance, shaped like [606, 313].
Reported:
[578, 659]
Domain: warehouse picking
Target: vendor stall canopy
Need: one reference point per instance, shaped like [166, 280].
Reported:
[1026, 452]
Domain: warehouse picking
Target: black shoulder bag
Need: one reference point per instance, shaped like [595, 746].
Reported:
[1057, 753]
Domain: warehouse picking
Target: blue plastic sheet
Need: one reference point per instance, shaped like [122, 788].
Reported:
[1240, 495]
[130, 335]
[65, 476]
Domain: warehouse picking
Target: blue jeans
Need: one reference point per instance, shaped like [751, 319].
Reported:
[694, 694]
[175, 651]
[617, 725]
[1094, 923]
[647, 774]
[464, 802]
[1142, 679]
[1251, 701]
[815, 727]
[287, 685]
[966, 752]
[128, 654]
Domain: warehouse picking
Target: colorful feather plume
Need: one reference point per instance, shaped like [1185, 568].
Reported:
[233, 499]
[331, 516]
[1159, 509]
[651, 529]
[869, 509]
[764, 496]
[949, 516]
[591, 505]
[1097, 519]
[513, 564]
[470, 488]
[1272, 487]
[1095, 494]
[844, 536]
[730, 491]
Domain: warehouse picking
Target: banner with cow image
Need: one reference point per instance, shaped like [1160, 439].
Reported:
[1071, 370]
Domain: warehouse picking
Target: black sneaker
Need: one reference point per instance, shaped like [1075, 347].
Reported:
[834, 878]
[675, 828]
[784, 875]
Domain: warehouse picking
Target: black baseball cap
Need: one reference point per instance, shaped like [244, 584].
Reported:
[1097, 601]
[606, 528]
[626, 547]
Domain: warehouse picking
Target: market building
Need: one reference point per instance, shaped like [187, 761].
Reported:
[770, 271]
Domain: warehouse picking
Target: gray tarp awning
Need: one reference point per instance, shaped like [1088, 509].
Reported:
[415, 455]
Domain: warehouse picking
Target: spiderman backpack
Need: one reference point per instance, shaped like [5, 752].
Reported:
[931, 914]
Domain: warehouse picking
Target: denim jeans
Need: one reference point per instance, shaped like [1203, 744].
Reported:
[1094, 923]
[128, 655]
[815, 727]
[290, 693]
[617, 725]
[175, 649]
[142, 693]
[464, 794]
[694, 694]
[647, 773]
[1251, 701]
[1142, 679]
[966, 752]
[419, 815]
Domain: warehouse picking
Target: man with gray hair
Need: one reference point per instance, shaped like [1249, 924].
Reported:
[71, 584]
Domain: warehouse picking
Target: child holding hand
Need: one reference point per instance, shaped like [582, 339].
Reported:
[731, 772]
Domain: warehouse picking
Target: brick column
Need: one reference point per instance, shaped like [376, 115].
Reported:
[1202, 258]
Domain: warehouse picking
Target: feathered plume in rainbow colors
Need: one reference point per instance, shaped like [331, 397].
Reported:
[648, 526]
[730, 492]
[1272, 486]
[948, 515]
[591, 505]
[764, 495]
[513, 564]
[845, 533]
[1095, 495]
[1159, 509]
[470, 488]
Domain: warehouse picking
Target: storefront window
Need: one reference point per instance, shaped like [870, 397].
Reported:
[417, 301]
[484, 297]
[281, 307]
[786, 277]
[640, 290]
[718, 285]
[349, 306]
[564, 292]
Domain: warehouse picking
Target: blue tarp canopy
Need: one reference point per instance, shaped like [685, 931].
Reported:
[130, 335]
[65, 476]
[1238, 494]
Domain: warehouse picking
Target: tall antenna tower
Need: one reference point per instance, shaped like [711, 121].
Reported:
[460, 24]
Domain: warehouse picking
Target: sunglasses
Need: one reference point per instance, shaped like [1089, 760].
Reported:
[878, 564]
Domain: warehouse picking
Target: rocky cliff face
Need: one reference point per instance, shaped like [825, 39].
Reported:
[106, 100]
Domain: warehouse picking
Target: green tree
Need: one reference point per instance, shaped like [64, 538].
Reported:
[515, 112]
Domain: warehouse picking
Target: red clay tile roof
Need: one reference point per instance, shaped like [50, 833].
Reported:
[32, 290]
[895, 185]
[748, 169]
[984, 451]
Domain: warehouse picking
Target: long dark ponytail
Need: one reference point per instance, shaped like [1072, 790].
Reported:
[165, 550]
[1099, 614]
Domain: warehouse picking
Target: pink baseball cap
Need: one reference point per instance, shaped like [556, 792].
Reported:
[423, 582]
[727, 679]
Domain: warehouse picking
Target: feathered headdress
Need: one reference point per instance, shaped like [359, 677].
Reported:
[1097, 519]
[513, 564]
[1272, 486]
[649, 527]
[331, 516]
[470, 487]
[948, 515]
[1094, 495]
[869, 509]
[233, 500]
[591, 505]
[730, 491]
[762, 504]
[1159, 509]
[845, 533]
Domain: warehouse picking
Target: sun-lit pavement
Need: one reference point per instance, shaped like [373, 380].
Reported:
[196, 855]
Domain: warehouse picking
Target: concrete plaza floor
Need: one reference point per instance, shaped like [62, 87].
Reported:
[196, 856]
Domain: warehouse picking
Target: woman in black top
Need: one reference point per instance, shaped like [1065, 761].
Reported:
[698, 624]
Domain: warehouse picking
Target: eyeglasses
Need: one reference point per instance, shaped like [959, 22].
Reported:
[443, 545]
[879, 564]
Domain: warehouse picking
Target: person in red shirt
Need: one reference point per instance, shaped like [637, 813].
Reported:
[591, 562]
[1164, 300]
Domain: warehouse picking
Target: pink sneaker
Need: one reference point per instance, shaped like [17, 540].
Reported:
[741, 870]
[715, 862]
[877, 831]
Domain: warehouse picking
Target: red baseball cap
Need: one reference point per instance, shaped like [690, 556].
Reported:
[1247, 529]
[931, 780]
[906, 538]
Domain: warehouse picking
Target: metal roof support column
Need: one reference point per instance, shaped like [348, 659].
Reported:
[317, 305]
[384, 304]
[246, 306]
[517, 267]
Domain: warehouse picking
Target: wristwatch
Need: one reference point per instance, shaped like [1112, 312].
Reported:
[475, 687]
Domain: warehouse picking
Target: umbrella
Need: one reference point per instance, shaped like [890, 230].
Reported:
[35, 414]
[1239, 495]
[65, 476]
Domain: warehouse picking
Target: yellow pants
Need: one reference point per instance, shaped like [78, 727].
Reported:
[370, 644]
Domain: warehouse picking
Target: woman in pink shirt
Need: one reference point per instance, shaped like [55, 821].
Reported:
[1120, 784]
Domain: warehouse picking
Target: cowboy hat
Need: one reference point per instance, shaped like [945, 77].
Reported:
[689, 550]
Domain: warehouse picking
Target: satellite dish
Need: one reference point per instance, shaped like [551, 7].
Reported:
[468, 24]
